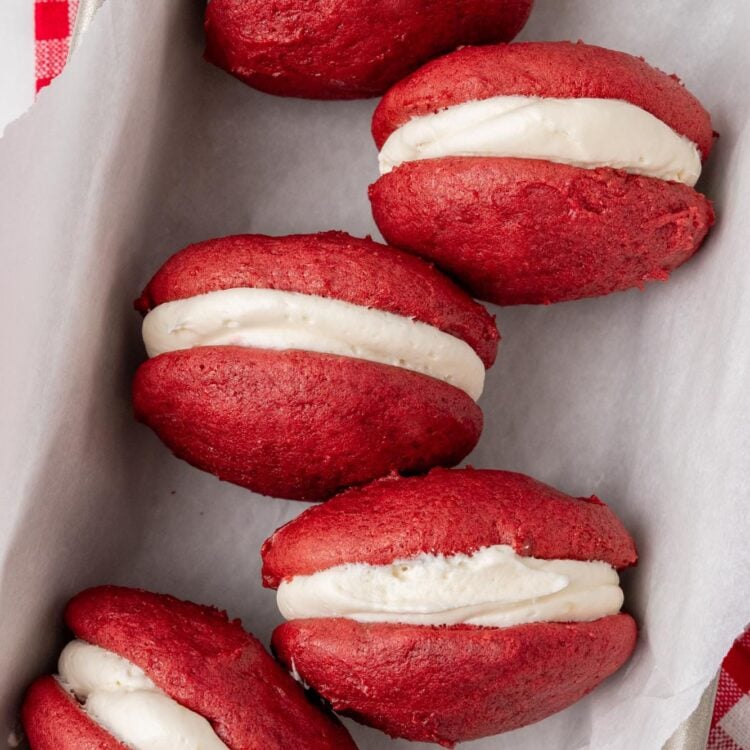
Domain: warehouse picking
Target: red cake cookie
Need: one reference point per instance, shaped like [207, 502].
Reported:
[149, 665]
[350, 49]
[453, 606]
[541, 172]
[298, 366]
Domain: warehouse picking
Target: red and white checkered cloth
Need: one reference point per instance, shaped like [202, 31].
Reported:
[730, 727]
[53, 25]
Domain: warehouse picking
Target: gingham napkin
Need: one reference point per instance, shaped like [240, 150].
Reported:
[730, 726]
[53, 25]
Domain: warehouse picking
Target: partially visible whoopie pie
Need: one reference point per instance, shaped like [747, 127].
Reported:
[541, 172]
[147, 670]
[452, 606]
[348, 49]
[298, 366]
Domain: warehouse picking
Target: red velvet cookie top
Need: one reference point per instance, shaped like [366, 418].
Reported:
[547, 69]
[329, 264]
[208, 664]
[446, 512]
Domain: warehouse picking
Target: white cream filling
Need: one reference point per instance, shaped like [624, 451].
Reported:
[122, 699]
[272, 319]
[492, 587]
[585, 133]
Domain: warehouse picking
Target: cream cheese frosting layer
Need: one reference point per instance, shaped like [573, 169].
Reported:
[492, 587]
[273, 319]
[121, 698]
[585, 133]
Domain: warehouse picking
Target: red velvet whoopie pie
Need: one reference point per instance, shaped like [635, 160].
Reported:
[452, 606]
[298, 366]
[348, 49]
[148, 666]
[541, 172]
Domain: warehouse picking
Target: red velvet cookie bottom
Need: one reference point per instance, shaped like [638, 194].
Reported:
[520, 231]
[53, 720]
[330, 49]
[452, 684]
[301, 425]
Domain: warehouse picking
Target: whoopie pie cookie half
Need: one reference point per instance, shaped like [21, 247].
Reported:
[298, 366]
[541, 172]
[147, 670]
[452, 606]
[347, 49]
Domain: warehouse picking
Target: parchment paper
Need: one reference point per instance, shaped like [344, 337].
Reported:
[140, 147]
